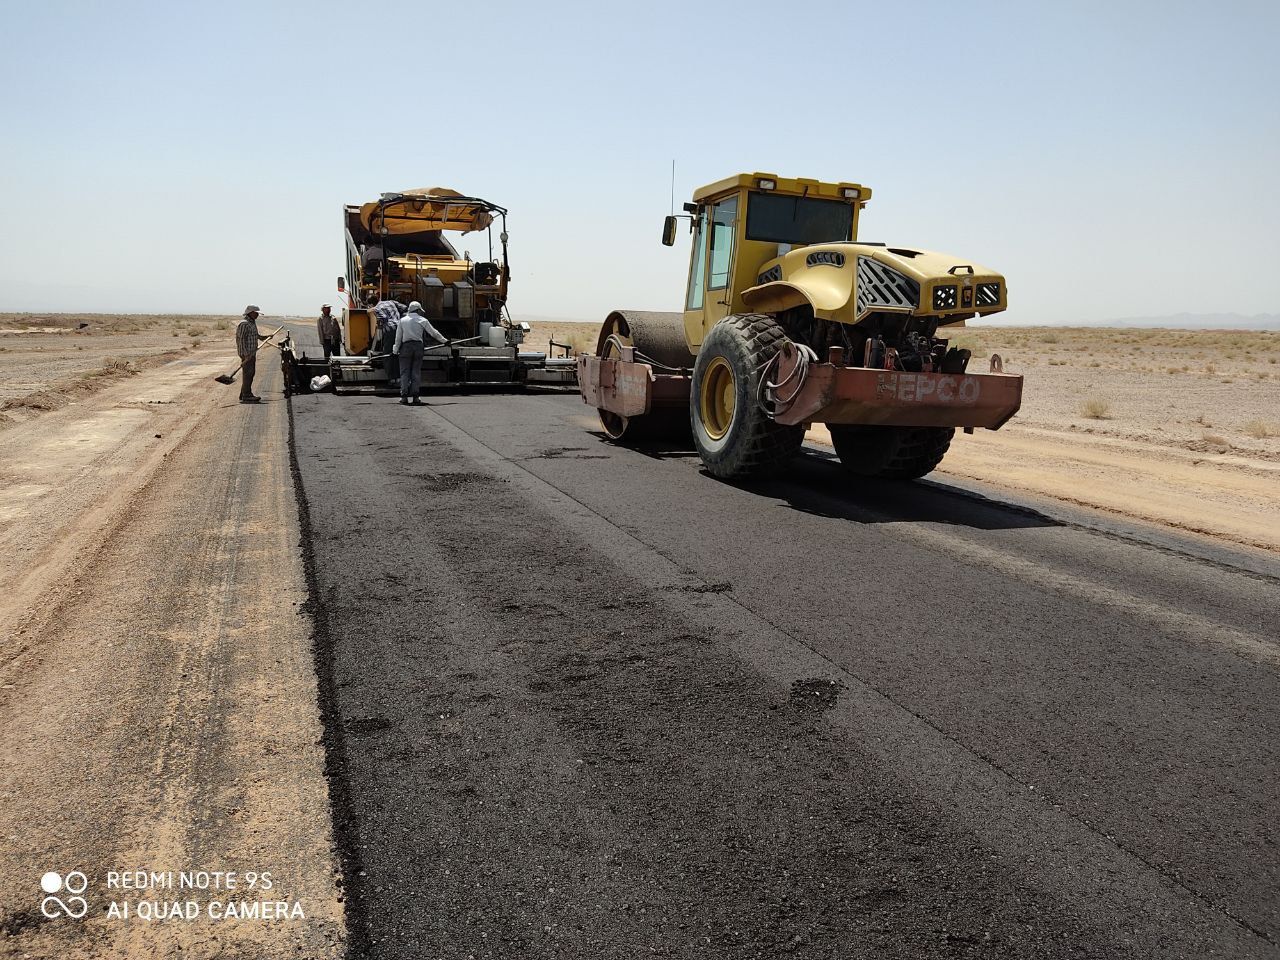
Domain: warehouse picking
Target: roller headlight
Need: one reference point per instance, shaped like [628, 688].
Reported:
[988, 294]
[944, 296]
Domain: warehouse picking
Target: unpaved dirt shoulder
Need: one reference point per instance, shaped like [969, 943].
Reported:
[1225, 497]
[156, 682]
[42, 397]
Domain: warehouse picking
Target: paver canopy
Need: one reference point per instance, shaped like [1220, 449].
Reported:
[426, 209]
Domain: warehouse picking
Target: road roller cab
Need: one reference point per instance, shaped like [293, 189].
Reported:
[789, 320]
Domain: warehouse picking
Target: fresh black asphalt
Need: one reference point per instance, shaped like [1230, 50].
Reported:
[587, 701]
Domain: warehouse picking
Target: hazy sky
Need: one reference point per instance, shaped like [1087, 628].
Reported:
[1112, 159]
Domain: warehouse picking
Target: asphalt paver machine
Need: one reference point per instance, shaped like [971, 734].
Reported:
[397, 248]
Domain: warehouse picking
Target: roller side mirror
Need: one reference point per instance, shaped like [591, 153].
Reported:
[669, 231]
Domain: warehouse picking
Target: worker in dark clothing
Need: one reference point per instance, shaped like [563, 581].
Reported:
[371, 262]
[247, 340]
[329, 332]
[387, 314]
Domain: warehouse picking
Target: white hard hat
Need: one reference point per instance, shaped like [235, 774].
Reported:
[415, 307]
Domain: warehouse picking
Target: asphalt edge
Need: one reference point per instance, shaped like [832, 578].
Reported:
[342, 815]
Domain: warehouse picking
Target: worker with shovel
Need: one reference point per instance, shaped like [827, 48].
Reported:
[247, 340]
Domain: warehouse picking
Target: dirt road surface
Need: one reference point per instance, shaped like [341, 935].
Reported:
[588, 701]
[157, 691]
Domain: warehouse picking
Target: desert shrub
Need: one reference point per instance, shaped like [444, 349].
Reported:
[1096, 408]
[117, 367]
[1259, 429]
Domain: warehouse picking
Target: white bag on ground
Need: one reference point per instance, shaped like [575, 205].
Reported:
[319, 383]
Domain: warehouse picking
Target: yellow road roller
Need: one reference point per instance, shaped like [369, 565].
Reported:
[791, 320]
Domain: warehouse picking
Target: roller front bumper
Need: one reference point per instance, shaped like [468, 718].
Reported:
[833, 393]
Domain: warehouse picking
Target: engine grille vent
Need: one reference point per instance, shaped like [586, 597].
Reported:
[944, 297]
[885, 288]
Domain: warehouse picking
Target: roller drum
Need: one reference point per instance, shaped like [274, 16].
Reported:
[658, 339]
[659, 336]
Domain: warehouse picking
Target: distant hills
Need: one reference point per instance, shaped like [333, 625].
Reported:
[1199, 321]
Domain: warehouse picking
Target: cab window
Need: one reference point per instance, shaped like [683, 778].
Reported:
[779, 218]
[723, 216]
[698, 263]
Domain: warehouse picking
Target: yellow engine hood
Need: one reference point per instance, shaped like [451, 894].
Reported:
[846, 281]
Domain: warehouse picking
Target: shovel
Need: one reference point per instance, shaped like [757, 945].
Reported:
[231, 377]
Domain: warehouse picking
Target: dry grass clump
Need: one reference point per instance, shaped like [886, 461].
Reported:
[1259, 429]
[114, 367]
[1096, 408]
[1216, 440]
[41, 401]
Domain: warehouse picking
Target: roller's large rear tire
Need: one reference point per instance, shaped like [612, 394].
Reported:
[892, 453]
[733, 435]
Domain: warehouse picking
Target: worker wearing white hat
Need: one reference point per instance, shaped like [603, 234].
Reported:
[412, 330]
[329, 332]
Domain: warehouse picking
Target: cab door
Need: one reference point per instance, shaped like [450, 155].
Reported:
[710, 268]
